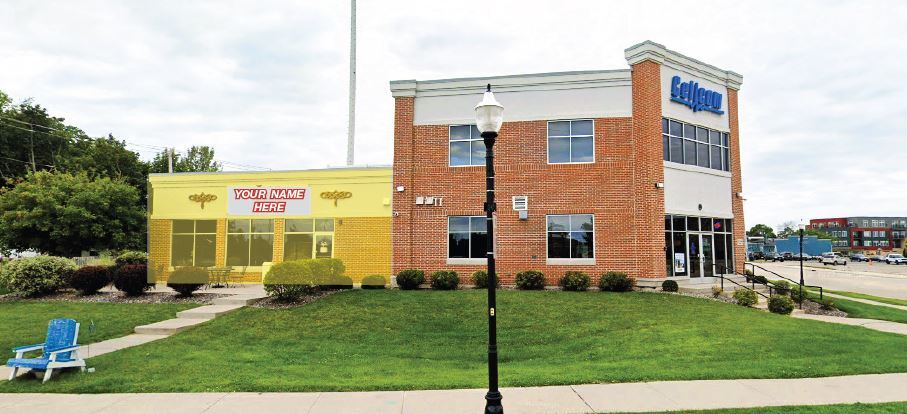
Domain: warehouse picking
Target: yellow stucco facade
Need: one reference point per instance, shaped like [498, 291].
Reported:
[347, 216]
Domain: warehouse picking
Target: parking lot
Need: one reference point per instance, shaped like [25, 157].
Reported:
[878, 279]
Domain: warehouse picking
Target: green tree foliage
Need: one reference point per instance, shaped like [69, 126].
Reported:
[196, 159]
[63, 214]
[791, 228]
[761, 230]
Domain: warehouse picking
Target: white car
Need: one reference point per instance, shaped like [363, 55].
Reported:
[894, 258]
[833, 259]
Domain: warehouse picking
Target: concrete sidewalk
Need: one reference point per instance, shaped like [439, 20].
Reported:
[627, 397]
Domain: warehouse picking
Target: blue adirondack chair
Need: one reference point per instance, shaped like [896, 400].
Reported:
[60, 350]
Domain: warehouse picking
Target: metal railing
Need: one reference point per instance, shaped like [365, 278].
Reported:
[725, 269]
[755, 266]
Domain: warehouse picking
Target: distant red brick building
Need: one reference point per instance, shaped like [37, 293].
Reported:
[634, 170]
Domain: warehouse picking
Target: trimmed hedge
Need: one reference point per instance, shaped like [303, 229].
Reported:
[575, 281]
[185, 280]
[530, 280]
[745, 297]
[288, 281]
[132, 279]
[374, 282]
[37, 276]
[90, 279]
[329, 273]
[480, 280]
[781, 287]
[616, 282]
[781, 305]
[669, 286]
[410, 279]
[445, 280]
[132, 257]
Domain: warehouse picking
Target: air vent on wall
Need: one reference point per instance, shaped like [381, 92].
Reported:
[521, 203]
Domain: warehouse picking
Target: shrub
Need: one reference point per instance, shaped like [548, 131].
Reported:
[748, 273]
[530, 280]
[781, 305]
[132, 257]
[758, 279]
[781, 287]
[36, 276]
[745, 297]
[445, 280]
[575, 281]
[185, 280]
[329, 273]
[669, 286]
[410, 279]
[795, 294]
[288, 281]
[717, 291]
[374, 282]
[89, 279]
[132, 279]
[828, 305]
[480, 280]
[616, 282]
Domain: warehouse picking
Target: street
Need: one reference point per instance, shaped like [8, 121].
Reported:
[878, 279]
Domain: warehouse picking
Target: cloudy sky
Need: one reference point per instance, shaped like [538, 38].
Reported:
[823, 104]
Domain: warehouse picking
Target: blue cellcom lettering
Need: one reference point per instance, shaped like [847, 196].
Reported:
[698, 99]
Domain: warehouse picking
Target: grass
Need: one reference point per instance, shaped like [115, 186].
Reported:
[863, 310]
[884, 408]
[390, 339]
[25, 322]
[890, 301]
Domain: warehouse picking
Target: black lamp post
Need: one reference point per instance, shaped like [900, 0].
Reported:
[489, 117]
[802, 226]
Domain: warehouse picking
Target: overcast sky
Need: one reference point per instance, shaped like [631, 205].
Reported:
[823, 103]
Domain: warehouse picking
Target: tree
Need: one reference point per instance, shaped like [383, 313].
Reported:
[791, 228]
[761, 230]
[197, 159]
[64, 214]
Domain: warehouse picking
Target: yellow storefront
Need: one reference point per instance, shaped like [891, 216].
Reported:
[242, 222]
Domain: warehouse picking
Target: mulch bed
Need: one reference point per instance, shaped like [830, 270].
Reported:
[118, 297]
[273, 303]
[814, 308]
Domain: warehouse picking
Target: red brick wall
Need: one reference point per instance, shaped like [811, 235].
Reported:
[401, 226]
[736, 182]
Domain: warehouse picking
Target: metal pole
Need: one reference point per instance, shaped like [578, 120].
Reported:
[170, 160]
[801, 269]
[352, 113]
[493, 397]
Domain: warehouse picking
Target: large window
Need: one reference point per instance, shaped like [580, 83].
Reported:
[570, 141]
[571, 236]
[466, 146]
[194, 243]
[694, 145]
[308, 238]
[678, 231]
[467, 237]
[250, 242]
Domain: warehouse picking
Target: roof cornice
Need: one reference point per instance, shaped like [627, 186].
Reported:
[649, 50]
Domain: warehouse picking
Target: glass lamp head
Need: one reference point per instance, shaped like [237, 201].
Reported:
[489, 113]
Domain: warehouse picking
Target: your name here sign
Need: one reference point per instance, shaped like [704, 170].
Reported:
[249, 201]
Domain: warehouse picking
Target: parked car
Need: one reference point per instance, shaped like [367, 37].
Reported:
[833, 259]
[859, 257]
[876, 258]
[773, 257]
[757, 256]
[894, 258]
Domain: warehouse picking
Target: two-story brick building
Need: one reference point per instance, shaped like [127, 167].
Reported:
[634, 169]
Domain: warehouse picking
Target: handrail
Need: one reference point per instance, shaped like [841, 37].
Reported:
[721, 275]
[821, 294]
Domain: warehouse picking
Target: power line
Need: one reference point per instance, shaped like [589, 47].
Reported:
[28, 162]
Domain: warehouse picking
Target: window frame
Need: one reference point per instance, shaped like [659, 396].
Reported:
[569, 260]
[570, 137]
[466, 260]
[194, 235]
[471, 141]
[251, 233]
[315, 233]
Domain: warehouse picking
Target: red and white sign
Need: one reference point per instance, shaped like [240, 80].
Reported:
[269, 201]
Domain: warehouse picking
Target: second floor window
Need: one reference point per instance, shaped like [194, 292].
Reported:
[571, 142]
[466, 146]
[694, 145]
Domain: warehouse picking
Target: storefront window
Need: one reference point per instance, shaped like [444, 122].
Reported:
[308, 238]
[193, 243]
[467, 237]
[685, 232]
[250, 242]
[571, 236]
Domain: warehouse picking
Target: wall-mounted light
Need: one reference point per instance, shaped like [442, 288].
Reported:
[400, 188]
[659, 185]
[739, 195]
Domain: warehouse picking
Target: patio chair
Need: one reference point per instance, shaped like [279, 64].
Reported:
[60, 350]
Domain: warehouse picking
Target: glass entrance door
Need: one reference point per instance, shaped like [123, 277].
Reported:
[695, 254]
[702, 254]
[708, 256]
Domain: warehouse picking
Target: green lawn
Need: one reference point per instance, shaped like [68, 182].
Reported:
[391, 339]
[25, 322]
[886, 408]
[890, 301]
[856, 309]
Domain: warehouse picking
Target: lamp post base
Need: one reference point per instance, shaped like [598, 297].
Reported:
[493, 403]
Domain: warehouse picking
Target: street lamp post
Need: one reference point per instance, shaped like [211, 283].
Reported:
[489, 117]
[800, 297]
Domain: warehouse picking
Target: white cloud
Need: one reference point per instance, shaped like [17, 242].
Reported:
[265, 82]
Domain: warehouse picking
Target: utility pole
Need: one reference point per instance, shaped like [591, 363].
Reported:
[352, 114]
[169, 160]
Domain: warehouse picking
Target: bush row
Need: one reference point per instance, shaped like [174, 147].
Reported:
[44, 275]
[410, 279]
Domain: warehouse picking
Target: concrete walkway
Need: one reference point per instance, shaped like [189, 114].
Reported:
[628, 397]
